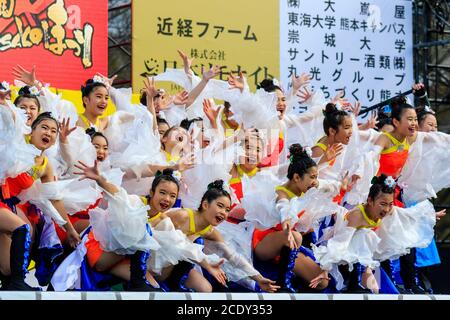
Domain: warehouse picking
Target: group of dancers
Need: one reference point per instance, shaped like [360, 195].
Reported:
[177, 193]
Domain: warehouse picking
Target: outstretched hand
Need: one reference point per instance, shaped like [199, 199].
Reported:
[440, 214]
[236, 82]
[218, 273]
[65, 130]
[211, 73]
[299, 82]
[87, 172]
[268, 285]
[27, 77]
[187, 62]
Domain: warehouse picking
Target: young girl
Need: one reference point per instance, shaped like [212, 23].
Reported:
[374, 231]
[201, 223]
[281, 243]
[43, 135]
[27, 100]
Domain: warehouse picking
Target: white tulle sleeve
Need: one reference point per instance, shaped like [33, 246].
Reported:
[366, 167]
[40, 195]
[426, 170]
[174, 114]
[255, 110]
[258, 199]
[237, 267]
[59, 107]
[123, 227]
[406, 228]
[175, 247]
[212, 163]
[315, 205]
[347, 245]
[16, 156]
[78, 148]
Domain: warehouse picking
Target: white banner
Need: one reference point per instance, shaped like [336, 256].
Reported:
[361, 47]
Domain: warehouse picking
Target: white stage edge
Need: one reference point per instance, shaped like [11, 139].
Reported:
[119, 295]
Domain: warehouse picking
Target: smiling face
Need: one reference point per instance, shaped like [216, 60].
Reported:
[428, 124]
[164, 196]
[97, 101]
[381, 206]
[407, 126]
[344, 132]
[176, 138]
[281, 103]
[253, 151]
[217, 210]
[31, 108]
[308, 181]
[43, 136]
[101, 146]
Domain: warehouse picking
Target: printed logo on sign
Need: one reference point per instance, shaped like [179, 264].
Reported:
[57, 28]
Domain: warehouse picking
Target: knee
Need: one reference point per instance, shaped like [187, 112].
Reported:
[101, 267]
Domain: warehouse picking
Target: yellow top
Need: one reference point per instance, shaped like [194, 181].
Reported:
[156, 216]
[289, 192]
[28, 138]
[398, 146]
[372, 223]
[321, 146]
[169, 157]
[36, 171]
[88, 123]
[192, 230]
[241, 173]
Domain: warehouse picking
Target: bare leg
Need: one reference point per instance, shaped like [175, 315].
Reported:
[270, 247]
[307, 269]
[198, 282]
[81, 225]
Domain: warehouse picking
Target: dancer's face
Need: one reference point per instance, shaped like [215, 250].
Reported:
[101, 146]
[97, 101]
[44, 135]
[217, 210]
[31, 108]
[428, 124]
[162, 128]
[381, 206]
[308, 181]
[344, 132]
[165, 196]
[253, 150]
[407, 125]
[281, 103]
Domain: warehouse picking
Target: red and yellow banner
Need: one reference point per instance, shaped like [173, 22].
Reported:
[67, 40]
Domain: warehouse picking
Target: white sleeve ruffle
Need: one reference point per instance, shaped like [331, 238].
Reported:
[123, 227]
[212, 163]
[406, 228]
[426, 170]
[175, 247]
[16, 156]
[258, 199]
[316, 204]
[347, 245]
[236, 267]
[366, 167]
